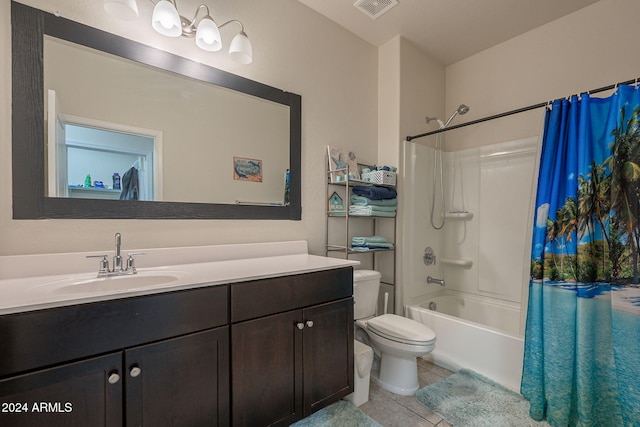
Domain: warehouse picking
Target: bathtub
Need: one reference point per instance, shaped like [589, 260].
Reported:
[473, 332]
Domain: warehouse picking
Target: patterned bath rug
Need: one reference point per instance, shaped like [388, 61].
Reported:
[467, 399]
[339, 414]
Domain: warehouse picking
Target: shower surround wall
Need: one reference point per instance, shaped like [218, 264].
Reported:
[492, 182]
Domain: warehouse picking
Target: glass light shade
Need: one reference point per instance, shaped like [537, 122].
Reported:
[166, 19]
[240, 49]
[208, 35]
[127, 10]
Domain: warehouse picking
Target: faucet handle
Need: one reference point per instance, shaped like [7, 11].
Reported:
[104, 263]
[429, 257]
[131, 264]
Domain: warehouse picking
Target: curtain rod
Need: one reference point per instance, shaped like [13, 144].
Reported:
[512, 112]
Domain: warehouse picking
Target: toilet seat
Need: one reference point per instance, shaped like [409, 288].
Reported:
[401, 329]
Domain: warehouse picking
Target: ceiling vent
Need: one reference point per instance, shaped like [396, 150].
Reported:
[375, 8]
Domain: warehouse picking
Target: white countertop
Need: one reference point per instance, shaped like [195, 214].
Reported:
[214, 265]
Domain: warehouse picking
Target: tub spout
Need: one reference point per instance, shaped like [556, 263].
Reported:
[434, 280]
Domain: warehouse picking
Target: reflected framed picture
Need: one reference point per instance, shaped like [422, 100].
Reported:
[247, 169]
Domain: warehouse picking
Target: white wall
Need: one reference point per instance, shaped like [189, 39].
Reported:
[389, 112]
[294, 48]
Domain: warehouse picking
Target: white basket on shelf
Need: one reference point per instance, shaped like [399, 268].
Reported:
[380, 177]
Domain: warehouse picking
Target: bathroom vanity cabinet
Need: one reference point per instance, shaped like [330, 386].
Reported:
[291, 346]
[165, 359]
[153, 361]
[180, 381]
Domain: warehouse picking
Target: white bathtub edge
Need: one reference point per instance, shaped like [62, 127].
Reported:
[495, 355]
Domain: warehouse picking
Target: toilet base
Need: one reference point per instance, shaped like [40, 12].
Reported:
[397, 375]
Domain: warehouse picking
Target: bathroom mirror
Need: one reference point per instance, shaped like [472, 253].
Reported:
[265, 142]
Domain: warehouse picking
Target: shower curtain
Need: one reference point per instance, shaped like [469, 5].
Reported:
[582, 339]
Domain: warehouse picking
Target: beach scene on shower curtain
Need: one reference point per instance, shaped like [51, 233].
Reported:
[582, 340]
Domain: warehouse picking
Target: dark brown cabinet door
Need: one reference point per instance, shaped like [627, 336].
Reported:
[288, 365]
[179, 382]
[266, 360]
[328, 354]
[87, 393]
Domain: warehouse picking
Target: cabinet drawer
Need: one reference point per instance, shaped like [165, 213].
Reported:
[269, 296]
[47, 337]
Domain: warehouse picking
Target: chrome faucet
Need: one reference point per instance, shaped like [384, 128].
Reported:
[119, 267]
[434, 280]
[117, 260]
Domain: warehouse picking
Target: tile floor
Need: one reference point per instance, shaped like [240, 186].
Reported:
[391, 410]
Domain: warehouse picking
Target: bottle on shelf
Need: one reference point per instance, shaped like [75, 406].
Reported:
[116, 181]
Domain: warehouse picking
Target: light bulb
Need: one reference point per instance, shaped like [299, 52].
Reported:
[166, 19]
[208, 35]
[240, 49]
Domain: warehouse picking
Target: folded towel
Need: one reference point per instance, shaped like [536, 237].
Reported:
[370, 239]
[374, 246]
[363, 201]
[387, 211]
[372, 208]
[375, 193]
[371, 213]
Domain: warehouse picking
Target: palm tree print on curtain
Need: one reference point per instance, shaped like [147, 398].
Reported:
[582, 340]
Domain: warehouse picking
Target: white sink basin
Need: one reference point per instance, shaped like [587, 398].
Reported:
[90, 284]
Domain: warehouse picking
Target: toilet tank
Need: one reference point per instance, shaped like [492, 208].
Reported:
[366, 285]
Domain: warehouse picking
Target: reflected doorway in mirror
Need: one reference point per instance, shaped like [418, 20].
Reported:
[80, 146]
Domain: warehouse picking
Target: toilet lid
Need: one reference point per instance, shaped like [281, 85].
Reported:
[400, 328]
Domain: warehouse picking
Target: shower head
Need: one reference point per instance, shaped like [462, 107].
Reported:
[462, 109]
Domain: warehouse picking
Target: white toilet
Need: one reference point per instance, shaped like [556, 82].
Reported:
[397, 340]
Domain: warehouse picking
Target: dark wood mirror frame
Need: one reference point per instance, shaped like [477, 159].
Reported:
[29, 26]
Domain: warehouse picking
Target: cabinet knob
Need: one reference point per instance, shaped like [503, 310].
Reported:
[114, 377]
[309, 323]
[300, 325]
[135, 371]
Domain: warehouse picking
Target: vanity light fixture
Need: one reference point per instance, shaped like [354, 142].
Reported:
[127, 10]
[167, 21]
